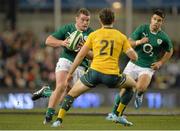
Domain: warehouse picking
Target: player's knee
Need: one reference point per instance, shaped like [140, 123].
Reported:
[131, 82]
[68, 89]
[60, 87]
[141, 88]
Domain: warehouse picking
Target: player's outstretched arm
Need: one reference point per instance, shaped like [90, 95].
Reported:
[90, 55]
[79, 58]
[77, 61]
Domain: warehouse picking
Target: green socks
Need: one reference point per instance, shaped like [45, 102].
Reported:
[140, 93]
[127, 96]
[68, 100]
[116, 103]
[123, 100]
[50, 112]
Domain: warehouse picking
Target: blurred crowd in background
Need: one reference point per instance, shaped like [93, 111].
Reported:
[25, 62]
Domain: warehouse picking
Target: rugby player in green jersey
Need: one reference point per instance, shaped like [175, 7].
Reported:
[148, 41]
[60, 39]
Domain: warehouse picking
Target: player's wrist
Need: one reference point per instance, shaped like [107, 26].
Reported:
[161, 63]
[137, 42]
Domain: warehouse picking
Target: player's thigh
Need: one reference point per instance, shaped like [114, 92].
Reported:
[62, 67]
[78, 89]
[76, 75]
[143, 81]
[131, 70]
[129, 82]
[122, 91]
[61, 77]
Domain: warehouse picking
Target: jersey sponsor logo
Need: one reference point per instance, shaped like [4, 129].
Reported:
[147, 48]
[159, 41]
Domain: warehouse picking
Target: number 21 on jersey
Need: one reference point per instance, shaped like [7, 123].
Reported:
[105, 46]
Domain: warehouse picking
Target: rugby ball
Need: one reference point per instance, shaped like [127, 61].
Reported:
[74, 39]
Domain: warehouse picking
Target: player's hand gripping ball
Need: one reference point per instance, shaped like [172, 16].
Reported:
[75, 40]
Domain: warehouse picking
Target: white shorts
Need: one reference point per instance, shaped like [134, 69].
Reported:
[64, 64]
[135, 71]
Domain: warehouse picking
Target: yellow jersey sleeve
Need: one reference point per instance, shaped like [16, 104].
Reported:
[89, 41]
[126, 45]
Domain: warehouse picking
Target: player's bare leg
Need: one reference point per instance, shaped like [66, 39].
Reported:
[56, 95]
[127, 95]
[142, 85]
[112, 116]
[76, 91]
[64, 94]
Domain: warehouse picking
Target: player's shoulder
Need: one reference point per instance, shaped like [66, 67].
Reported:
[95, 32]
[68, 26]
[145, 25]
[120, 34]
[99, 31]
[164, 34]
[89, 29]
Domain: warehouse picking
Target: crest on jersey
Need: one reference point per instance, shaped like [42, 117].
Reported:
[145, 35]
[159, 41]
[85, 37]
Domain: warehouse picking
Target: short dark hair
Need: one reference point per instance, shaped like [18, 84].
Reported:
[83, 11]
[106, 16]
[159, 13]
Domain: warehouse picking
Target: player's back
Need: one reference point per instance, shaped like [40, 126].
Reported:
[107, 45]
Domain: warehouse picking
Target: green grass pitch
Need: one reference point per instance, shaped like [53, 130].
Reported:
[33, 121]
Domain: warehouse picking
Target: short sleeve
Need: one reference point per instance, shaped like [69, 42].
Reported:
[136, 35]
[168, 45]
[60, 33]
[89, 41]
[126, 45]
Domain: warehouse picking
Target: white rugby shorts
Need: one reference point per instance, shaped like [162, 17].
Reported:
[64, 64]
[135, 71]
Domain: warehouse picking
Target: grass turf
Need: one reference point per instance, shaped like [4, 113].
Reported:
[31, 121]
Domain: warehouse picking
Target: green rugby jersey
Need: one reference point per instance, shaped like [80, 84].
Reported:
[62, 33]
[152, 51]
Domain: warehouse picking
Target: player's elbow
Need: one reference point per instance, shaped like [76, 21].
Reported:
[90, 55]
[48, 40]
[132, 55]
[171, 52]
